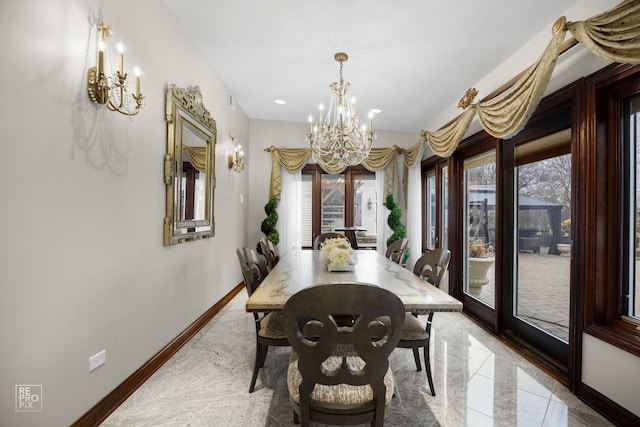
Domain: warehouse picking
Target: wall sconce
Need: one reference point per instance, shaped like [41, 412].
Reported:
[108, 88]
[369, 204]
[236, 160]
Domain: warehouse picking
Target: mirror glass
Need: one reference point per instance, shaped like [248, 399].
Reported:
[189, 167]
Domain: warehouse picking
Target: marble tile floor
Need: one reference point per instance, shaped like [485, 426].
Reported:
[479, 382]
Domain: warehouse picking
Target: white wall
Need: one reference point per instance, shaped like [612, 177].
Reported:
[82, 261]
[611, 371]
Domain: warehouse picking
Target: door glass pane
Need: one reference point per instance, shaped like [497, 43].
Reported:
[480, 209]
[631, 307]
[444, 213]
[364, 209]
[331, 202]
[543, 242]
[305, 200]
[430, 198]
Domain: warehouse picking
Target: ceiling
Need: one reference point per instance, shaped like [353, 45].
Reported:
[409, 58]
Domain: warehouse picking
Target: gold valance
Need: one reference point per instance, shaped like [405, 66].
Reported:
[294, 159]
[384, 158]
[506, 114]
[197, 157]
[413, 154]
[614, 34]
[444, 141]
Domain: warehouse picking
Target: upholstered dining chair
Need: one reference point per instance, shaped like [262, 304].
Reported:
[270, 252]
[431, 267]
[340, 374]
[324, 236]
[269, 330]
[395, 252]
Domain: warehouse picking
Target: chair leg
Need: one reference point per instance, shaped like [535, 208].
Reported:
[416, 357]
[296, 418]
[256, 367]
[265, 350]
[427, 363]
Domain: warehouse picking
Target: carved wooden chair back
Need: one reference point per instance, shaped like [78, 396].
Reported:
[270, 252]
[330, 360]
[395, 252]
[254, 268]
[432, 265]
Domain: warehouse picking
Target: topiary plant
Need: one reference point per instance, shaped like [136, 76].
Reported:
[268, 226]
[399, 230]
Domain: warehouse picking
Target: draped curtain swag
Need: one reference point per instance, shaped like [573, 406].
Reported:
[197, 157]
[504, 115]
[444, 141]
[613, 35]
[384, 158]
[294, 159]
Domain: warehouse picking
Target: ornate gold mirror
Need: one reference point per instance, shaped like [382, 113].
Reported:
[189, 171]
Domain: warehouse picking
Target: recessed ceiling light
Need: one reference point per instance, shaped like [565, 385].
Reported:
[376, 110]
[280, 101]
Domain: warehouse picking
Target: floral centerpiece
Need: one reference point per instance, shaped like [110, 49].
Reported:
[338, 255]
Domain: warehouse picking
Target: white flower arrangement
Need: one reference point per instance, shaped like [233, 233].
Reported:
[337, 253]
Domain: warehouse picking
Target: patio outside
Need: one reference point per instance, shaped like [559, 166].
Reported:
[543, 291]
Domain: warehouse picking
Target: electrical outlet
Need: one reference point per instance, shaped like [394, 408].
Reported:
[97, 360]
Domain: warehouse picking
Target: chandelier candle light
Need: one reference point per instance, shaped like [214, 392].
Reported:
[112, 89]
[339, 140]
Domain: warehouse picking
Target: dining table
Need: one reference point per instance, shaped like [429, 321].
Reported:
[299, 269]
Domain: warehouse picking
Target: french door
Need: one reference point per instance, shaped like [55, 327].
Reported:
[511, 234]
[537, 289]
[331, 201]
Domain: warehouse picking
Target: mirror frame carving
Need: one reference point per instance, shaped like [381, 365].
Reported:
[186, 109]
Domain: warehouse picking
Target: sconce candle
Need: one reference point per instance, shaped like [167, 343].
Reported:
[136, 71]
[120, 58]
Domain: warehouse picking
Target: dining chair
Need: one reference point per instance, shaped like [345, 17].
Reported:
[270, 252]
[324, 236]
[431, 267]
[395, 251]
[269, 329]
[340, 374]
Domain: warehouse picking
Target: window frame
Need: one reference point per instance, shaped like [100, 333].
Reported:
[603, 170]
[433, 165]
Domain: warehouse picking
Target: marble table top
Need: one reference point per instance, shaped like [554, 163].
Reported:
[302, 268]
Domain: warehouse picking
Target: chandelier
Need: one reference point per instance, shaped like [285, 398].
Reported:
[339, 139]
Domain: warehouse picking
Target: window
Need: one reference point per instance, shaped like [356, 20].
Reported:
[610, 245]
[436, 204]
[430, 217]
[480, 221]
[629, 300]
